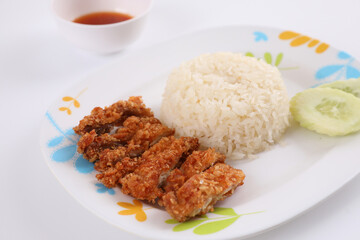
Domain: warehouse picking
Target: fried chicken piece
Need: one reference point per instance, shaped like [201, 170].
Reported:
[150, 132]
[161, 146]
[102, 120]
[110, 176]
[145, 182]
[91, 145]
[199, 161]
[147, 136]
[174, 181]
[196, 163]
[138, 133]
[199, 194]
[131, 125]
[109, 157]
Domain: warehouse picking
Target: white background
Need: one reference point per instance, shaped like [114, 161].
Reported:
[37, 65]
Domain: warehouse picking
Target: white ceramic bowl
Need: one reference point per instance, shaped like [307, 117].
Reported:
[105, 38]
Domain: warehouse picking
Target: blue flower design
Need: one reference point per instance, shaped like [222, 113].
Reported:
[338, 71]
[103, 189]
[260, 36]
[65, 148]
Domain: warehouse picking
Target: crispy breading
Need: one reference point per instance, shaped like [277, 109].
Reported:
[145, 182]
[196, 163]
[110, 177]
[163, 144]
[199, 161]
[91, 144]
[131, 125]
[138, 134]
[102, 120]
[117, 166]
[174, 181]
[109, 157]
[198, 194]
[147, 136]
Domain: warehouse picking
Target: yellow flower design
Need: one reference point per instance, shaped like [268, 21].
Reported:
[298, 40]
[73, 101]
[136, 208]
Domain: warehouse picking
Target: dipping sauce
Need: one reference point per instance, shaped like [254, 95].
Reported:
[100, 18]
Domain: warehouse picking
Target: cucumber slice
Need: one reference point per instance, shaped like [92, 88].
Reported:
[350, 86]
[327, 111]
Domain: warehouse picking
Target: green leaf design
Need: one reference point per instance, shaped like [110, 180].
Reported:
[172, 221]
[249, 54]
[224, 211]
[268, 58]
[215, 226]
[250, 213]
[220, 223]
[278, 59]
[187, 225]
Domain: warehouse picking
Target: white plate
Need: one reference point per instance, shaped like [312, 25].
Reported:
[280, 184]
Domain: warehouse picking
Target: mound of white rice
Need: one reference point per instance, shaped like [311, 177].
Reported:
[236, 104]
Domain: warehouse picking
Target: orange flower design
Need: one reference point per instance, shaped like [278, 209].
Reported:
[136, 208]
[298, 40]
[73, 101]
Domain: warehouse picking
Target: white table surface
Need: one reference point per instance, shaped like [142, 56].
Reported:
[37, 65]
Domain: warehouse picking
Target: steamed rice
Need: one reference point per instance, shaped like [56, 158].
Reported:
[236, 104]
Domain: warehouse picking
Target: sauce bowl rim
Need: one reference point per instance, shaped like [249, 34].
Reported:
[81, 25]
